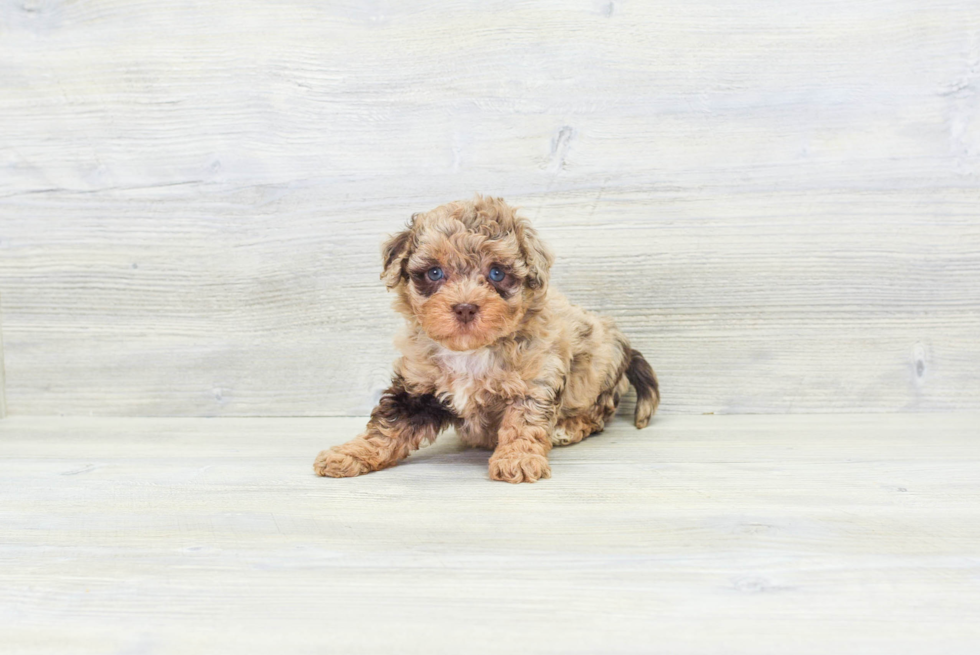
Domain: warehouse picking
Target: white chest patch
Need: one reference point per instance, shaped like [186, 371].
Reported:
[466, 372]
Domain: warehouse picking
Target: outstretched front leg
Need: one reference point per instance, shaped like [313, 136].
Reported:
[524, 440]
[402, 422]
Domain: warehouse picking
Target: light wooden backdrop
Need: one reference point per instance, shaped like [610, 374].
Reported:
[779, 200]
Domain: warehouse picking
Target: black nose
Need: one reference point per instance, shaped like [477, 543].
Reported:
[465, 312]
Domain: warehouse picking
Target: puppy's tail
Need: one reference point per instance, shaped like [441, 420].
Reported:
[644, 380]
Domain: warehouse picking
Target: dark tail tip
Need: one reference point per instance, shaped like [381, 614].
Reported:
[644, 380]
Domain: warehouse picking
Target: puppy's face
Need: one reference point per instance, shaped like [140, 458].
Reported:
[467, 272]
[465, 291]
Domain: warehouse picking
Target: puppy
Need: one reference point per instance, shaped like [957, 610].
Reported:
[491, 350]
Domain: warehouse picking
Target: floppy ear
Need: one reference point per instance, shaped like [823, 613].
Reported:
[537, 256]
[395, 253]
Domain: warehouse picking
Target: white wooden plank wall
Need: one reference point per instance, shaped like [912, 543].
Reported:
[779, 200]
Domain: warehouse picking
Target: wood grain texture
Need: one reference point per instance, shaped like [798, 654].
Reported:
[3, 385]
[849, 534]
[780, 202]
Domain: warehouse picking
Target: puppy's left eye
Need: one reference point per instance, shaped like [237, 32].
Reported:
[495, 274]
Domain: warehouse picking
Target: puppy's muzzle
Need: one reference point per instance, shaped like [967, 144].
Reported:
[465, 312]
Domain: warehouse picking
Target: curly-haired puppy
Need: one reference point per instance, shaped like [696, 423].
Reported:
[490, 349]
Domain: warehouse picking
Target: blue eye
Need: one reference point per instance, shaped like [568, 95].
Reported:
[496, 275]
[435, 273]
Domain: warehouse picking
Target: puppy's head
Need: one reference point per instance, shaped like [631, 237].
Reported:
[467, 272]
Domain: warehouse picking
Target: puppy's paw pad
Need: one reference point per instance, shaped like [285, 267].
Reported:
[331, 464]
[519, 467]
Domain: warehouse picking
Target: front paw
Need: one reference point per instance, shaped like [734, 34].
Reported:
[332, 464]
[519, 467]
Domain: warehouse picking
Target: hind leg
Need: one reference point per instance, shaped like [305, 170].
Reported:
[573, 429]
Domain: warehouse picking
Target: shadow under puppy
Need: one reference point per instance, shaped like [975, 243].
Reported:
[490, 349]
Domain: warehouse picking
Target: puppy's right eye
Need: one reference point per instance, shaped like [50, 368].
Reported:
[435, 273]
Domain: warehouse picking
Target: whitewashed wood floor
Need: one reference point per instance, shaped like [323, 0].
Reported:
[707, 534]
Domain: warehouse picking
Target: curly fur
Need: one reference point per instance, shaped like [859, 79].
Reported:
[528, 372]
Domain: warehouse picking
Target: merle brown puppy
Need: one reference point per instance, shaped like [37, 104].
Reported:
[489, 348]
